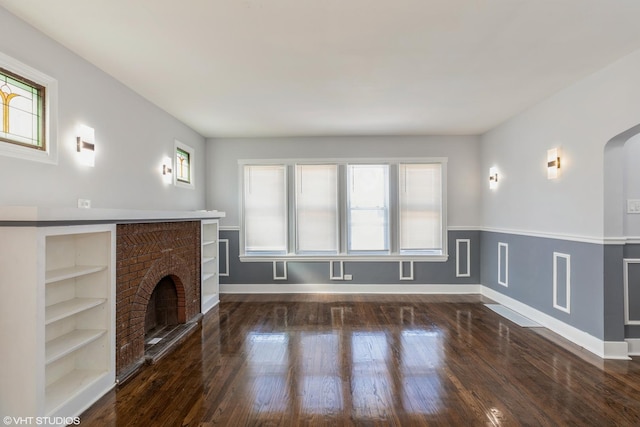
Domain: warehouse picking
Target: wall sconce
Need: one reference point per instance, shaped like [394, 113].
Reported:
[493, 178]
[167, 171]
[553, 163]
[85, 145]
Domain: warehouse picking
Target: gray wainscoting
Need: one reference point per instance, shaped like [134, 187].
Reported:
[631, 253]
[464, 271]
[529, 276]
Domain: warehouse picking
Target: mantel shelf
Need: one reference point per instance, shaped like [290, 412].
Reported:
[61, 274]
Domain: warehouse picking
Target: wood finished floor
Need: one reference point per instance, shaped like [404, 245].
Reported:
[372, 360]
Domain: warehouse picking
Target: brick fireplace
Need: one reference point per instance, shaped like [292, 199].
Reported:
[147, 254]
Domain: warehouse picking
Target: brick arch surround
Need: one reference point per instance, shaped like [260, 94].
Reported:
[146, 253]
[168, 265]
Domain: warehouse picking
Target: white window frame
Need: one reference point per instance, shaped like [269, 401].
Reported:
[50, 153]
[184, 147]
[394, 253]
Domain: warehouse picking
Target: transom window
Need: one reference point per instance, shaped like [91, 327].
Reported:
[23, 111]
[331, 209]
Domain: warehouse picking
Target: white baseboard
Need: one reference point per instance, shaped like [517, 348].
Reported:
[634, 346]
[603, 349]
[343, 288]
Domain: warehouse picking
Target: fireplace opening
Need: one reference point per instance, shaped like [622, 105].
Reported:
[162, 309]
[163, 328]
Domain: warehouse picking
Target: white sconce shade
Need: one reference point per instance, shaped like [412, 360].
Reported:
[85, 145]
[167, 171]
[553, 163]
[493, 178]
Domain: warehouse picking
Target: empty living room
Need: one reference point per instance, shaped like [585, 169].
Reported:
[320, 212]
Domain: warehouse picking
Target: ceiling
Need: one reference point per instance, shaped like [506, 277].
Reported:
[232, 68]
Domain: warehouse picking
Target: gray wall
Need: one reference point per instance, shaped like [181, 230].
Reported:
[463, 185]
[132, 137]
[530, 276]
[364, 273]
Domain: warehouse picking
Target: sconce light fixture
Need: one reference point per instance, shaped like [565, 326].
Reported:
[167, 170]
[493, 178]
[85, 145]
[553, 163]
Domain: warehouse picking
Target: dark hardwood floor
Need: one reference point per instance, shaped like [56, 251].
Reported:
[372, 360]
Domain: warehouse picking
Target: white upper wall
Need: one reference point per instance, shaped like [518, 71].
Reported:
[632, 184]
[462, 151]
[132, 137]
[580, 120]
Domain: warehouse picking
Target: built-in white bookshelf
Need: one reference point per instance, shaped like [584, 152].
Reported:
[59, 318]
[209, 291]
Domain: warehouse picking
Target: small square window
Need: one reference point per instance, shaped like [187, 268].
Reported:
[183, 168]
[28, 111]
[22, 104]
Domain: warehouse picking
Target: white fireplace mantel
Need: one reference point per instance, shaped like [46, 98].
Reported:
[38, 215]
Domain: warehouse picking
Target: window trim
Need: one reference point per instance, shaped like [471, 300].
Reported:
[48, 154]
[392, 255]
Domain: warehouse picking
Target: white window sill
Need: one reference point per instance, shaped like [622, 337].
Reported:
[342, 257]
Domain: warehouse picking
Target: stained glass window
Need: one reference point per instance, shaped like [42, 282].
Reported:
[22, 103]
[183, 166]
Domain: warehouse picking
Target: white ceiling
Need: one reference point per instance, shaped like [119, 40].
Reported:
[341, 67]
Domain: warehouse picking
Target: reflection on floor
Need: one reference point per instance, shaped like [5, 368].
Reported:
[364, 360]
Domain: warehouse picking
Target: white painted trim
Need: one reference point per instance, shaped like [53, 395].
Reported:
[275, 270]
[567, 257]
[547, 235]
[343, 288]
[468, 270]
[504, 282]
[344, 258]
[464, 228]
[607, 350]
[332, 276]
[633, 240]
[634, 346]
[625, 272]
[226, 251]
[229, 228]
[402, 276]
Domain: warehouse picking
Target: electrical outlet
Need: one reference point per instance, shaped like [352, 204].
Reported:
[84, 203]
[633, 206]
[348, 277]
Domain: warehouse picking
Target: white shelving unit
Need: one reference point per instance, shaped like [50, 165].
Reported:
[209, 285]
[61, 316]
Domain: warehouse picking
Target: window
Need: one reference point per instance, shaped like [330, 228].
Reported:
[420, 206]
[265, 209]
[22, 111]
[368, 208]
[183, 166]
[317, 208]
[183, 170]
[28, 106]
[356, 209]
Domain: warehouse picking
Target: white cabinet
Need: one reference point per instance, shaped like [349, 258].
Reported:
[209, 292]
[57, 318]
